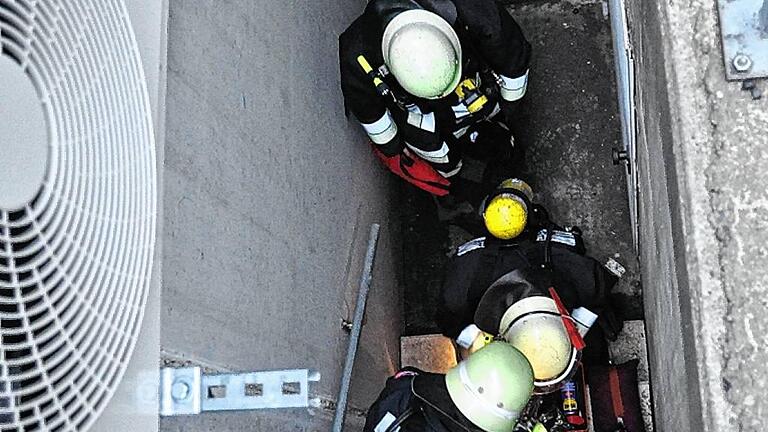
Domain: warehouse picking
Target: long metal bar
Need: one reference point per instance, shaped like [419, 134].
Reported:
[357, 327]
[625, 87]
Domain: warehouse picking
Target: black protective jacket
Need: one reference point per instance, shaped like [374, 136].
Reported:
[415, 407]
[491, 40]
[580, 280]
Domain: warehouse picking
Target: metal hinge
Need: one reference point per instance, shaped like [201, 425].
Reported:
[186, 391]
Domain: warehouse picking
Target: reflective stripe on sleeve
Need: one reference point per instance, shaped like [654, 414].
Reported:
[513, 89]
[478, 243]
[460, 111]
[451, 173]
[437, 156]
[460, 133]
[422, 121]
[382, 130]
[562, 237]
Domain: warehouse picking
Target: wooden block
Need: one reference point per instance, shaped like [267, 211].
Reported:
[430, 353]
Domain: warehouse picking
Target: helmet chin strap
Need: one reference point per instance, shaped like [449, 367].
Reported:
[454, 424]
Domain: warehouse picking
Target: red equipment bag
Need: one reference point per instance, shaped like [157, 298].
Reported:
[615, 398]
[415, 171]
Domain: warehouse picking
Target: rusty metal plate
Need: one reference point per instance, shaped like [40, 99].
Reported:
[744, 31]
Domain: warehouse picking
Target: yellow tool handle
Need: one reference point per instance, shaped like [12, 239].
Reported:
[369, 70]
[364, 64]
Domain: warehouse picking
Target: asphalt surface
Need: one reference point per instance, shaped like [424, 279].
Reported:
[569, 124]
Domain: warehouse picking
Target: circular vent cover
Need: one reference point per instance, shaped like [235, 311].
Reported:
[77, 209]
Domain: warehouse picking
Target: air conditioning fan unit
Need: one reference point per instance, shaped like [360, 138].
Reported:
[78, 216]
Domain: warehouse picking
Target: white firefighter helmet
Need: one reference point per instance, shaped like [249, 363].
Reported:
[534, 326]
[423, 53]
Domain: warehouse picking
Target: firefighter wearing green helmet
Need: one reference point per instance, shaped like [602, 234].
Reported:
[519, 307]
[427, 80]
[485, 392]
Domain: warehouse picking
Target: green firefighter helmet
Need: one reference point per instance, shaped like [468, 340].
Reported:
[423, 53]
[492, 386]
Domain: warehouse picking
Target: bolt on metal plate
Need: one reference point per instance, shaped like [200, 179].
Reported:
[186, 391]
[744, 32]
[180, 391]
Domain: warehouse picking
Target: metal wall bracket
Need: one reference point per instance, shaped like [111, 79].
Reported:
[186, 391]
[744, 32]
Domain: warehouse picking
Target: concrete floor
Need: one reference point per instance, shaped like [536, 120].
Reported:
[569, 124]
[570, 127]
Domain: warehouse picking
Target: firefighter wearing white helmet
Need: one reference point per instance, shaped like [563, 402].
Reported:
[488, 283]
[485, 392]
[534, 326]
[427, 77]
[518, 309]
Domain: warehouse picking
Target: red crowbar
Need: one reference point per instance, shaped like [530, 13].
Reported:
[573, 333]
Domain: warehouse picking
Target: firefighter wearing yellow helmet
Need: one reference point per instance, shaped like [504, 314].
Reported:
[506, 210]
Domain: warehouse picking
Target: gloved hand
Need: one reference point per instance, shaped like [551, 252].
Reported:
[416, 171]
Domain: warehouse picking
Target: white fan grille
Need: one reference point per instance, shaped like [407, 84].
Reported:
[75, 261]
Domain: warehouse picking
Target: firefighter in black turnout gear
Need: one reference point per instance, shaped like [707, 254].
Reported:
[486, 392]
[581, 281]
[427, 80]
[494, 286]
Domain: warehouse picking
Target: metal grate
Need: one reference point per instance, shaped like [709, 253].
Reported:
[77, 209]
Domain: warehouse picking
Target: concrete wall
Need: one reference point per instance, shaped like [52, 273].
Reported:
[701, 158]
[662, 253]
[269, 195]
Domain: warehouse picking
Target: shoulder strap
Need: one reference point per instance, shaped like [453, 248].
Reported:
[483, 276]
[445, 8]
[401, 419]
